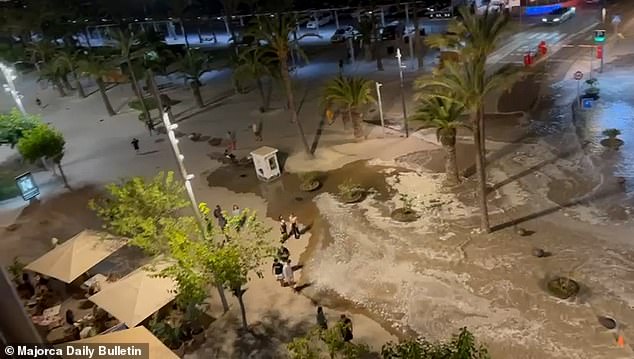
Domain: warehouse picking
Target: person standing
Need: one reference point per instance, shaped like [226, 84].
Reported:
[322, 322]
[135, 144]
[294, 228]
[283, 254]
[283, 229]
[38, 102]
[256, 127]
[235, 211]
[220, 218]
[278, 271]
[232, 141]
[346, 328]
[289, 276]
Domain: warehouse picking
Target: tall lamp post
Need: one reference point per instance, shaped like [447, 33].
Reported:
[380, 103]
[10, 76]
[400, 72]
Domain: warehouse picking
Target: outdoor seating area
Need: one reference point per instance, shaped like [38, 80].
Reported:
[69, 299]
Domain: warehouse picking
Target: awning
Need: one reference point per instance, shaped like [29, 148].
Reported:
[76, 256]
[136, 296]
[133, 336]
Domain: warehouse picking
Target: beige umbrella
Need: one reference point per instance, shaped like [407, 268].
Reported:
[76, 256]
[136, 336]
[136, 296]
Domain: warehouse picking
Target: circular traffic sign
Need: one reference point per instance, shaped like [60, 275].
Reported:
[578, 75]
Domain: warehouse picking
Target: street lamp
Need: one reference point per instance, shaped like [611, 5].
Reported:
[380, 102]
[400, 72]
[9, 75]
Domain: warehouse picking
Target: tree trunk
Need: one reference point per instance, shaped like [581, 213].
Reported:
[223, 298]
[104, 96]
[416, 38]
[265, 105]
[377, 56]
[269, 93]
[481, 175]
[195, 85]
[139, 95]
[357, 124]
[60, 88]
[67, 83]
[239, 294]
[80, 88]
[482, 144]
[367, 52]
[61, 172]
[286, 78]
[448, 141]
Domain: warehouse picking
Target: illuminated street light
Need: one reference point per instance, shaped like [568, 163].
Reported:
[380, 103]
[9, 75]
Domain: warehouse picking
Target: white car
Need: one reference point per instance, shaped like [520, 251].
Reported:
[343, 33]
[317, 21]
[558, 16]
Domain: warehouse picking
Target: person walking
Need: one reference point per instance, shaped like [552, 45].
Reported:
[346, 328]
[278, 271]
[322, 322]
[231, 139]
[256, 127]
[235, 210]
[289, 276]
[220, 218]
[283, 254]
[294, 228]
[38, 102]
[283, 229]
[135, 144]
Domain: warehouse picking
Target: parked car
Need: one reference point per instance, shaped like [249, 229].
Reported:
[393, 31]
[318, 20]
[558, 16]
[343, 33]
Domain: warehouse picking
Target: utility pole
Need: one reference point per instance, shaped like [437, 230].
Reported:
[380, 103]
[400, 72]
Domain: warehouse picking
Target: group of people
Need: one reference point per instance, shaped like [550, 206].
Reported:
[345, 324]
[283, 272]
[294, 228]
[220, 217]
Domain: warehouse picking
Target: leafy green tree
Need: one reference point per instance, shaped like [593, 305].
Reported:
[446, 117]
[276, 31]
[256, 63]
[143, 211]
[40, 52]
[319, 342]
[193, 65]
[349, 95]
[68, 62]
[14, 125]
[468, 81]
[98, 68]
[461, 346]
[53, 75]
[45, 142]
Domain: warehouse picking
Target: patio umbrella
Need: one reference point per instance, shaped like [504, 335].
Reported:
[136, 296]
[76, 256]
[138, 336]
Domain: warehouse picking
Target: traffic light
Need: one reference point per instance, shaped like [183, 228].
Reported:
[599, 35]
[600, 52]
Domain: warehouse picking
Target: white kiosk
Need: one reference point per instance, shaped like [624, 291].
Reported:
[265, 161]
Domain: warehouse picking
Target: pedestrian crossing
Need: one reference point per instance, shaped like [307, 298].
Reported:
[514, 51]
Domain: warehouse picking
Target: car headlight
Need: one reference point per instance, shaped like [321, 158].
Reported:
[544, 19]
[557, 19]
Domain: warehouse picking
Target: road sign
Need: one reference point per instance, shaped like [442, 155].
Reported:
[599, 35]
[578, 75]
[587, 103]
[27, 186]
[616, 19]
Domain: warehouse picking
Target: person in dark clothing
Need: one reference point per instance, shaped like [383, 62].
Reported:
[135, 144]
[277, 271]
[346, 328]
[341, 67]
[27, 285]
[283, 254]
[322, 322]
[222, 221]
[38, 102]
[283, 229]
[70, 317]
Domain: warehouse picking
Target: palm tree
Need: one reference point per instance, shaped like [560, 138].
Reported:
[126, 43]
[469, 82]
[98, 68]
[67, 62]
[230, 7]
[41, 52]
[349, 95]
[446, 116]
[256, 63]
[53, 75]
[193, 65]
[275, 31]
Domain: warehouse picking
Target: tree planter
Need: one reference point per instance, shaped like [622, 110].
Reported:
[612, 143]
[562, 287]
[404, 215]
[309, 186]
[352, 197]
[180, 351]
